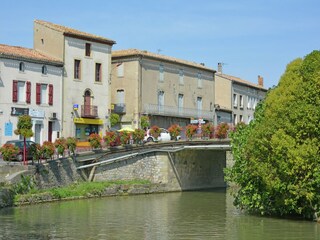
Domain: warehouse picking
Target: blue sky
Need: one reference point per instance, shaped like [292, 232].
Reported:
[251, 37]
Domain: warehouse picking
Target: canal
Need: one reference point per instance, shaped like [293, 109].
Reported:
[186, 215]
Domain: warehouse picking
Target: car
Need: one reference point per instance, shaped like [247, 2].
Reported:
[164, 136]
[20, 144]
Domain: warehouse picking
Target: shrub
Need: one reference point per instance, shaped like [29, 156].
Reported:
[191, 130]
[207, 130]
[71, 144]
[155, 132]
[9, 151]
[61, 145]
[47, 149]
[145, 122]
[36, 151]
[125, 137]
[110, 138]
[222, 131]
[138, 135]
[114, 119]
[95, 140]
[174, 131]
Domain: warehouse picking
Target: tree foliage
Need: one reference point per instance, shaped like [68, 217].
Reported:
[277, 156]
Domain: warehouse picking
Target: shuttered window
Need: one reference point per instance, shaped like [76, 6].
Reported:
[50, 94]
[28, 92]
[15, 91]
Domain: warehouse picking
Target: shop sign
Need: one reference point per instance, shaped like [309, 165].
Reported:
[36, 113]
[19, 111]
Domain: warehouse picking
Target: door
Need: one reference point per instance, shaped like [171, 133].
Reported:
[37, 134]
[50, 131]
[87, 103]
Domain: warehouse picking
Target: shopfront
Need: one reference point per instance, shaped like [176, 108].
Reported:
[85, 126]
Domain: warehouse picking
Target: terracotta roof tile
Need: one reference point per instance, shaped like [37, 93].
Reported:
[136, 52]
[15, 52]
[239, 80]
[74, 32]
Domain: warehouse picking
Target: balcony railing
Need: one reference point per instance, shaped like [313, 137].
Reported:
[89, 111]
[119, 108]
[177, 112]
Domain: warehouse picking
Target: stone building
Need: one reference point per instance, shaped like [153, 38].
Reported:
[167, 89]
[85, 96]
[30, 84]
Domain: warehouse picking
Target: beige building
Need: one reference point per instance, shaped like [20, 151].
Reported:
[87, 60]
[30, 84]
[236, 99]
[167, 89]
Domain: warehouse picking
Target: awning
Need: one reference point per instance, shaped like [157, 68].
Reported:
[88, 121]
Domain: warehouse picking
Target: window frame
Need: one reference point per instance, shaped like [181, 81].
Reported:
[98, 72]
[88, 49]
[77, 69]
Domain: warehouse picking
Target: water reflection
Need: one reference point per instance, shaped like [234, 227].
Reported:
[188, 215]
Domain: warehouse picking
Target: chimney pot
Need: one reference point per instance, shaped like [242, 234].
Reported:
[219, 67]
[260, 81]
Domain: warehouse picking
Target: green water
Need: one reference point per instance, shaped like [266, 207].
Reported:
[187, 215]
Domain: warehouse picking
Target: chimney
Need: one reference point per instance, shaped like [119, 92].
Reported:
[219, 67]
[260, 81]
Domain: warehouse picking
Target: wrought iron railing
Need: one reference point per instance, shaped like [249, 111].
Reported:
[89, 111]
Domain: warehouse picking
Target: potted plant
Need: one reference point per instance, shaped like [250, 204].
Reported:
[174, 131]
[71, 144]
[222, 131]
[138, 136]
[155, 132]
[48, 149]
[9, 151]
[110, 138]
[60, 145]
[207, 130]
[191, 130]
[95, 140]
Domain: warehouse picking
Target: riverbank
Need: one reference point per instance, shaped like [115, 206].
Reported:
[8, 197]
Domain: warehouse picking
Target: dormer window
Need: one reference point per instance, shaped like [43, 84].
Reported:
[44, 70]
[22, 67]
[88, 49]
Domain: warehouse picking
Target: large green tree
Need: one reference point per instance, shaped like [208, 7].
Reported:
[277, 156]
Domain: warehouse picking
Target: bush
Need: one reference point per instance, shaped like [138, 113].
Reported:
[61, 145]
[114, 119]
[155, 132]
[125, 137]
[174, 131]
[110, 138]
[138, 136]
[36, 151]
[9, 151]
[145, 122]
[191, 130]
[222, 131]
[48, 149]
[207, 130]
[95, 140]
[71, 144]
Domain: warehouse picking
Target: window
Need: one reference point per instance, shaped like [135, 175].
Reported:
[120, 70]
[248, 102]
[181, 76]
[180, 103]
[160, 100]
[44, 94]
[235, 119]
[241, 101]
[235, 100]
[77, 69]
[88, 49]
[199, 106]
[21, 67]
[199, 76]
[21, 91]
[161, 73]
[241, 118]
[44, 70]
[120, 96]
[98, 72]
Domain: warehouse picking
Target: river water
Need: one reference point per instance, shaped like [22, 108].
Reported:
[186, 215]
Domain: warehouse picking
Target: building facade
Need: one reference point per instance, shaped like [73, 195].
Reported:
[87, 60]
[236, 99]
[167, 89]
[30, 84]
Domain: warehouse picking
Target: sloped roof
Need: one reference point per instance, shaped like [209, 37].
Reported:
[75, 33]
[136, 52]
[240, 81]
[27, 54]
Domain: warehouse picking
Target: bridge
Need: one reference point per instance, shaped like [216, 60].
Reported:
[180, 165]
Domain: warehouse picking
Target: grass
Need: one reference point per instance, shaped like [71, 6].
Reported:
[81, 189]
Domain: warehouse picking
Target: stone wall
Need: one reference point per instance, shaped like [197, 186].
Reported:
[185, 170]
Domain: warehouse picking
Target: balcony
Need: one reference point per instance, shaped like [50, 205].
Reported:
[89, 111]
[177, 112]
[119, 108]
